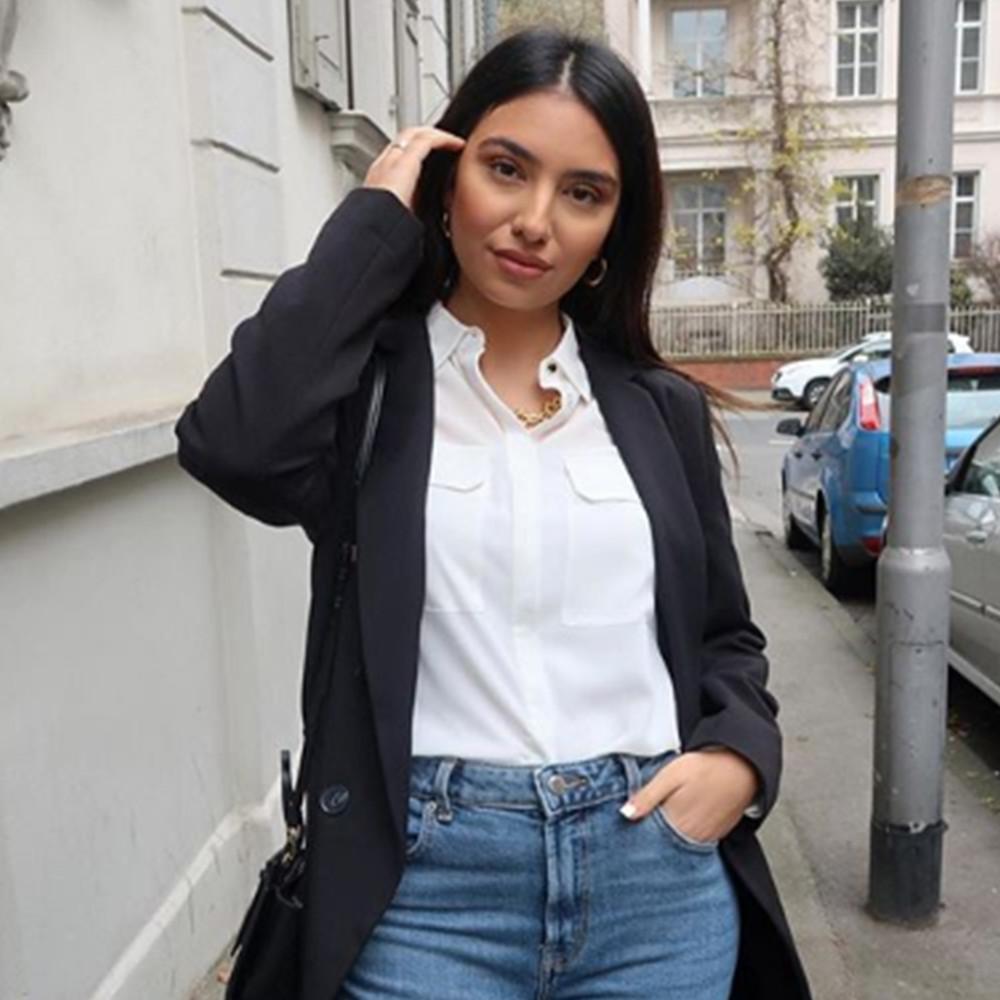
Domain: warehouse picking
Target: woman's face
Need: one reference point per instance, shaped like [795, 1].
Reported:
[537, 176]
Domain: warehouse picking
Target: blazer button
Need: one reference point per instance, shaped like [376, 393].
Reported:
[333, 800]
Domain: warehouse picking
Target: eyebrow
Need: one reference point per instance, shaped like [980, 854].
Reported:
[598, 176]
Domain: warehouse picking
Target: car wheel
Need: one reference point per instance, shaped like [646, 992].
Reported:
[836, 575]
[813, 391]
[795, 537]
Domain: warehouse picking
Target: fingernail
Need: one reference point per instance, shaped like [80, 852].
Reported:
[627, 810]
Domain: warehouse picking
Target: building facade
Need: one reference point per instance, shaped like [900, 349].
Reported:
[161, 164]
[702, 64]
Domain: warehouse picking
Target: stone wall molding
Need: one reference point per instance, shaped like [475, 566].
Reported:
[13, 85]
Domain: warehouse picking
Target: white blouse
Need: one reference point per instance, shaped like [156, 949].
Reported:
[538, 635]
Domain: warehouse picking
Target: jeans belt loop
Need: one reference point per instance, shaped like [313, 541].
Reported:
[441, 778]
[632, 775]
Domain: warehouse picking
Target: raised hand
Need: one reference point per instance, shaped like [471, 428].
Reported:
[397, 168]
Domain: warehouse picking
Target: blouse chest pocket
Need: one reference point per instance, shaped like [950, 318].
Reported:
[456, 511]
[609, 572]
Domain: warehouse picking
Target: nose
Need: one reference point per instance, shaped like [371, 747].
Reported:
[533, 220]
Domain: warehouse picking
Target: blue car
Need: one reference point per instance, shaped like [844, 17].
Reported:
[835, 477]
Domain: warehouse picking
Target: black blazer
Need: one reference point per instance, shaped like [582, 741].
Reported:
[274, 431]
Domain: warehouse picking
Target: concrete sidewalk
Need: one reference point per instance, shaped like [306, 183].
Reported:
[817, 836]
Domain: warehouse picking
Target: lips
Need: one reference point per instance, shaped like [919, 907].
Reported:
[523, 259]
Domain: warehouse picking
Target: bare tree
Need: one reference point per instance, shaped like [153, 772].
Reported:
[784, 136]
[984, 263]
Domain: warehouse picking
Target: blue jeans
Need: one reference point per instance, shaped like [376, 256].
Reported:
[525, 882]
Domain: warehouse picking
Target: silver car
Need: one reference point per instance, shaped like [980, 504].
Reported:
[972, 538]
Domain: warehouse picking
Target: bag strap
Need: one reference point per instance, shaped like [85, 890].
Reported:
[291, 797]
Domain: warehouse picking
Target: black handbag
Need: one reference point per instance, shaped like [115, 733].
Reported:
[266, 966]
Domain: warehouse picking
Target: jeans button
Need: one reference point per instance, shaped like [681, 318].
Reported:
[333, 800]
[557, 783]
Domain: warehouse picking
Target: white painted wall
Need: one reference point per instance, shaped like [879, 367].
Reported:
[96, 218]
[161, 173]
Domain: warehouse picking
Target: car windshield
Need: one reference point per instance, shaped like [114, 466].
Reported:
[869, 347]
[881, 345]
[848, 353]
[973, 398]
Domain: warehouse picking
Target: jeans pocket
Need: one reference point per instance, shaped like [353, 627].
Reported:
[421, 820]
[681, 839]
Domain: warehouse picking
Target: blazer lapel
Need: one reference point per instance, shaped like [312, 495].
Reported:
[391, 554]
[648, 449]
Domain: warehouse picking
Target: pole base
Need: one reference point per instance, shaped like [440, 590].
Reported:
[904, 880]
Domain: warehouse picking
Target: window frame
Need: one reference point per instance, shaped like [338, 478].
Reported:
[961, 26]
[698, 72]
[852, 181]
[321, 61]
[407, 95]
[965, 199]
[702, 263]
[856, 31]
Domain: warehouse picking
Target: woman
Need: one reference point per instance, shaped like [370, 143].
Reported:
[549, 743]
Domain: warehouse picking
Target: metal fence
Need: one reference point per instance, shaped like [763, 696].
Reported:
[748, 329]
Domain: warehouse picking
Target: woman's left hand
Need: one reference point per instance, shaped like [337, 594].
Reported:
[704, 793]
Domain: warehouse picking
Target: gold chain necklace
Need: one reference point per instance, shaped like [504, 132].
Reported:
[531, 419]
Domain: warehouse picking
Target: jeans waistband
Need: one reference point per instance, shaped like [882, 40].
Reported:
[553, 788]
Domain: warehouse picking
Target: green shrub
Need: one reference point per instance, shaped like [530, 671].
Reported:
[961, 293]
[858, 261]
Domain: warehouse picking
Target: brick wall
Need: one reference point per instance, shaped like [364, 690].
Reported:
[732, 373]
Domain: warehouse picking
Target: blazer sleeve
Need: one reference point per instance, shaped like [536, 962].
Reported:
[738, 711]
[261, 432]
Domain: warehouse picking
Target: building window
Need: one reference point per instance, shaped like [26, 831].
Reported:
[699, 42]
[969, 39]
[406, 18]
[320, 51]
[857, 200]
[699, 224]
[964, 213]
[857, 49]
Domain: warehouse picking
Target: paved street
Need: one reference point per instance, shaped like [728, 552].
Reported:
[756, 492]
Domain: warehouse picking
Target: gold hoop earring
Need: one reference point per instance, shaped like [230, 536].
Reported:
[593, 283]
[444, 224]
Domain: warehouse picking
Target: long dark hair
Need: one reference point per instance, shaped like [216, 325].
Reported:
[548, 58]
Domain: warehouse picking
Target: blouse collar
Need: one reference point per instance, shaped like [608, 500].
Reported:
[447, 332]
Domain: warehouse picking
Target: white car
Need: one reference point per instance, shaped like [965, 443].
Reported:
[803, 381]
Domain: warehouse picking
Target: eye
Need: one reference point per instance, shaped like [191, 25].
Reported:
[594, 196]
[503, 163]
